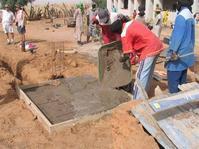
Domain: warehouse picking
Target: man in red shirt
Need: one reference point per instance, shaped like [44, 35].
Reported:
[143, 47]
[104, 20]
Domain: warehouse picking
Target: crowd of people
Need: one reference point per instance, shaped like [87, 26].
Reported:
[141, 42]
[9, 19]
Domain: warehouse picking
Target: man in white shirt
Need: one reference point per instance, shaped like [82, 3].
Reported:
[8, 19]
[21, 22]
[157, 28]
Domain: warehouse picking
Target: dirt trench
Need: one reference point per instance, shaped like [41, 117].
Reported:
[13, 70]
[19, 129]
[6, 81]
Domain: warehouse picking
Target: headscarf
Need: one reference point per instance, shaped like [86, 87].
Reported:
[80, 6]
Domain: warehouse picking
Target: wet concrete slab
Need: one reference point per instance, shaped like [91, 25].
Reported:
[74, 98]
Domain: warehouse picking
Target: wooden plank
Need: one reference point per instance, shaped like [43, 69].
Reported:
[60, 126]
[23, 87]
[188, 86]
[34, 109]
[182, 127]
[175, 111]
[175, 100]
[143, 113]
[42, 117]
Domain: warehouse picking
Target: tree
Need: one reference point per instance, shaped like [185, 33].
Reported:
[100, 3]
[12, 3]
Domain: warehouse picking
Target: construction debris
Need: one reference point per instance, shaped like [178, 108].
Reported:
[59, 103]
[173, 119]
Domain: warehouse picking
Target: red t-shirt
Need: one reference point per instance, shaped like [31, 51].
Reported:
[138, 40]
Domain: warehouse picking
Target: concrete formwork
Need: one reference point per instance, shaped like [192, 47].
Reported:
[64, 102]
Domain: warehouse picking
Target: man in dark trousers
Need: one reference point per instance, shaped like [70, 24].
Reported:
[181, 49]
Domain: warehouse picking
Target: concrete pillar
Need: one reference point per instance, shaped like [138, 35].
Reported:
[109, 5]
[120, 4]
[136, 4]
[149, 9]
[195, 6]
[130, 7]
[116, 4]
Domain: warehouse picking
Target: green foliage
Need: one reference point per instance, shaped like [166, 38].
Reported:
[12, 3]
[3, 2]
[100, 3]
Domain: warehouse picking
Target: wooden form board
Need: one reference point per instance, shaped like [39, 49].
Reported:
[143, 113]
[175, 100]
[173, 127]
[80, 116]
[181, 125]
[34, 109]
[42, 118]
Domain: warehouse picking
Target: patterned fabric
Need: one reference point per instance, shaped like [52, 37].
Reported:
[144, 74]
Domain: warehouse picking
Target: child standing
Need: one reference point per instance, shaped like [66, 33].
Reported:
[20, 22]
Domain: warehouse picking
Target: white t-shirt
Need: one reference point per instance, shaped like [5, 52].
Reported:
[158, 20]
[7, 17]
[20, 18]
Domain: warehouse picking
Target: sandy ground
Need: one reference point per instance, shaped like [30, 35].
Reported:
[18, 127]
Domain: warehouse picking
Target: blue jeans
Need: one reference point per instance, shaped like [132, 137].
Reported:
[176, 78]
[144, 74]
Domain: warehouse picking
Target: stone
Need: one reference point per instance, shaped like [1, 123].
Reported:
[74, 64]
